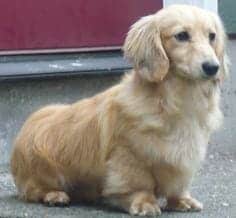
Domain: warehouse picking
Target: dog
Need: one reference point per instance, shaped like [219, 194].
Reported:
[142, 139]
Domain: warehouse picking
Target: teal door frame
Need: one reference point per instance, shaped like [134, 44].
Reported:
[226, 9]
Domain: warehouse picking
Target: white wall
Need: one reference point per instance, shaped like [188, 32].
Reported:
[211, 5]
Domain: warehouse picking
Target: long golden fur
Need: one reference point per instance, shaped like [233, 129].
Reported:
[142, 139]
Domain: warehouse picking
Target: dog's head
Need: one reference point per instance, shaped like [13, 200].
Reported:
[181, 39]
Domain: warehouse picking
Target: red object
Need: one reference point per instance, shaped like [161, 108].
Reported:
[59, 24]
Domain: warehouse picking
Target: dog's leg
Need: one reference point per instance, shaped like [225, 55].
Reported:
[33, 192]
[129, 185]
[183, 203]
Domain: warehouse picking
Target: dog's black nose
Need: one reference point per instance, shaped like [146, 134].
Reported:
[210, 69]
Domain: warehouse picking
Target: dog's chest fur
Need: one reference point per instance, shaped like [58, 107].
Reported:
[174, 144]
[183, 145]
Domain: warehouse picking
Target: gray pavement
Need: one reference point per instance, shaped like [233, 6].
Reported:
[215, 185]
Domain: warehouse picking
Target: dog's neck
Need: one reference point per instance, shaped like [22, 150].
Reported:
[178, 93]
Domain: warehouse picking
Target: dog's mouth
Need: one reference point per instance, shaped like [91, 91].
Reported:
[205, 77]
[186, 74]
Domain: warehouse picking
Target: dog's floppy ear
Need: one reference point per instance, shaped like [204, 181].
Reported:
[221, 39]
[143, 47]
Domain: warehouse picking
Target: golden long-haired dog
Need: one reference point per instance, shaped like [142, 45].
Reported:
[142, 139]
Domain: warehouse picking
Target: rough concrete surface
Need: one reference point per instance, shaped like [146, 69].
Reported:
[215, 185]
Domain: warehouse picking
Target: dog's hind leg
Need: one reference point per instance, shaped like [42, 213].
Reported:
[33, 192]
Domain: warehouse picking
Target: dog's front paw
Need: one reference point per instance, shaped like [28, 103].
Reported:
[145, 207]
[184, 204]
[56, 198]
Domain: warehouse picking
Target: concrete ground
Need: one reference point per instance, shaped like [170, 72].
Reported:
[215, 185]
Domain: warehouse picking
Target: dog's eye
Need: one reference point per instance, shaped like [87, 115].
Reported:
[212, 37]
[182, 36]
